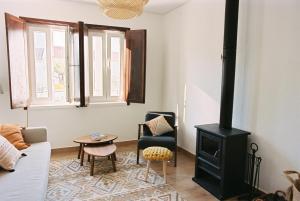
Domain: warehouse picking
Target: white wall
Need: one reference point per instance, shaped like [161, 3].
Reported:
[66, 123]
[193, 40]
[271, 89]
[267, 92]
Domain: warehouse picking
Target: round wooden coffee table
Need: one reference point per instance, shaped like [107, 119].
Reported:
[87, 141]
[102, 151]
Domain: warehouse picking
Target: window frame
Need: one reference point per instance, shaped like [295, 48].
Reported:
[133, 71]
[121, 35]
[48, 30]
[67, 62]
[91, 34]
[106, 62]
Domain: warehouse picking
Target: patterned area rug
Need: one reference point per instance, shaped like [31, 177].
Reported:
[70, 181]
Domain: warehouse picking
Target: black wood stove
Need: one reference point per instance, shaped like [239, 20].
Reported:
[221, 150]
[220, 160]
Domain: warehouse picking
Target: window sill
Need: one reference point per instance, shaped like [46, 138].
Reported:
[67, 106]
[58, 106]
[117, 103]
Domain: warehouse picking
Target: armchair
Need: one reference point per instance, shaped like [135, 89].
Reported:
[167, 140]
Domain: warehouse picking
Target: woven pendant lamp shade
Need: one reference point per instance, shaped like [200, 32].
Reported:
[123, 9]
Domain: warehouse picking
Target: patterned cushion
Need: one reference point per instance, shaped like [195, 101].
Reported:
[157, 153]
[159, 125]
[13, 134]
[9, 155]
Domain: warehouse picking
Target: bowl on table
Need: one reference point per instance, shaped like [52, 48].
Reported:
[96, 136]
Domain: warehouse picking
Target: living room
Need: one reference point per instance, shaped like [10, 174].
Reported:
[183, 75]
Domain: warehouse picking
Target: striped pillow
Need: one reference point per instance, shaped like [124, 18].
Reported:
[9, 155]
[159, 125]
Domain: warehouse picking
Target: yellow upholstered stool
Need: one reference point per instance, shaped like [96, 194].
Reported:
[157, 154]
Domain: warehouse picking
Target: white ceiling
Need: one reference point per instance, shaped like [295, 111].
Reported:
[154, 6]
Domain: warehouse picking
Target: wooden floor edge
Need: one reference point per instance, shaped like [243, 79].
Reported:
[122, 143]
[75, 148]
[185, 152]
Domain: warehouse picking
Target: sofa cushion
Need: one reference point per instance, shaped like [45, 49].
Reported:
[9, 155]
[14, 135]
[30, 179]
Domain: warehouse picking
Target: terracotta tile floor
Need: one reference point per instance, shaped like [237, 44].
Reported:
[180, 177]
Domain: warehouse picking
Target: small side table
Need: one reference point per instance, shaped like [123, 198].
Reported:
[87, 141]
[103, 151]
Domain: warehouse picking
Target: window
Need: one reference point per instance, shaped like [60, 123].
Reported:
[56, 62]
[48, 65]
[48, 61]
[106, 50]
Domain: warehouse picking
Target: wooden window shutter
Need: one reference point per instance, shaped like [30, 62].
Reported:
[82, 31]
[74, 70]
[135, 66]
[17, 61]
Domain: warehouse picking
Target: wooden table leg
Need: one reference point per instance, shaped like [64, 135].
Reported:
[113, 163]
[92, 166]
[82, 155]
[80, 147]
[115, 156]
[165, 171]
[147, 171]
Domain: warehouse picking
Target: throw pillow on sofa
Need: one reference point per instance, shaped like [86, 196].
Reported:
[9, 155]
[159, 125]
[14, 135]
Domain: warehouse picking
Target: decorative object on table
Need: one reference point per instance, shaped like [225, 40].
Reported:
[293, 192]
[103, 151]
[167, 140]
[96, 136]
[252, 174]
[87, 141]
[125, 184]
[157, 154]
[122, 9]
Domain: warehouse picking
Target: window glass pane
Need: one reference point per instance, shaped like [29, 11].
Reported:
[59, 65]
[97, 66]
[40, 63]
[75, 66]
[115, 65]
[86, 66]
[76, 83]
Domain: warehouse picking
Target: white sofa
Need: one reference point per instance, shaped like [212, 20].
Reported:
[30, 179]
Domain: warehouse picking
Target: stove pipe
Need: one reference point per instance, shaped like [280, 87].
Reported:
[229, 62]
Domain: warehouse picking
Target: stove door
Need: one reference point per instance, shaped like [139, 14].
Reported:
[210, 148]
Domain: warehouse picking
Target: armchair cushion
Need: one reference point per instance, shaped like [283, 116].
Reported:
[159, 126]
[169, 116]
[149, 141]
